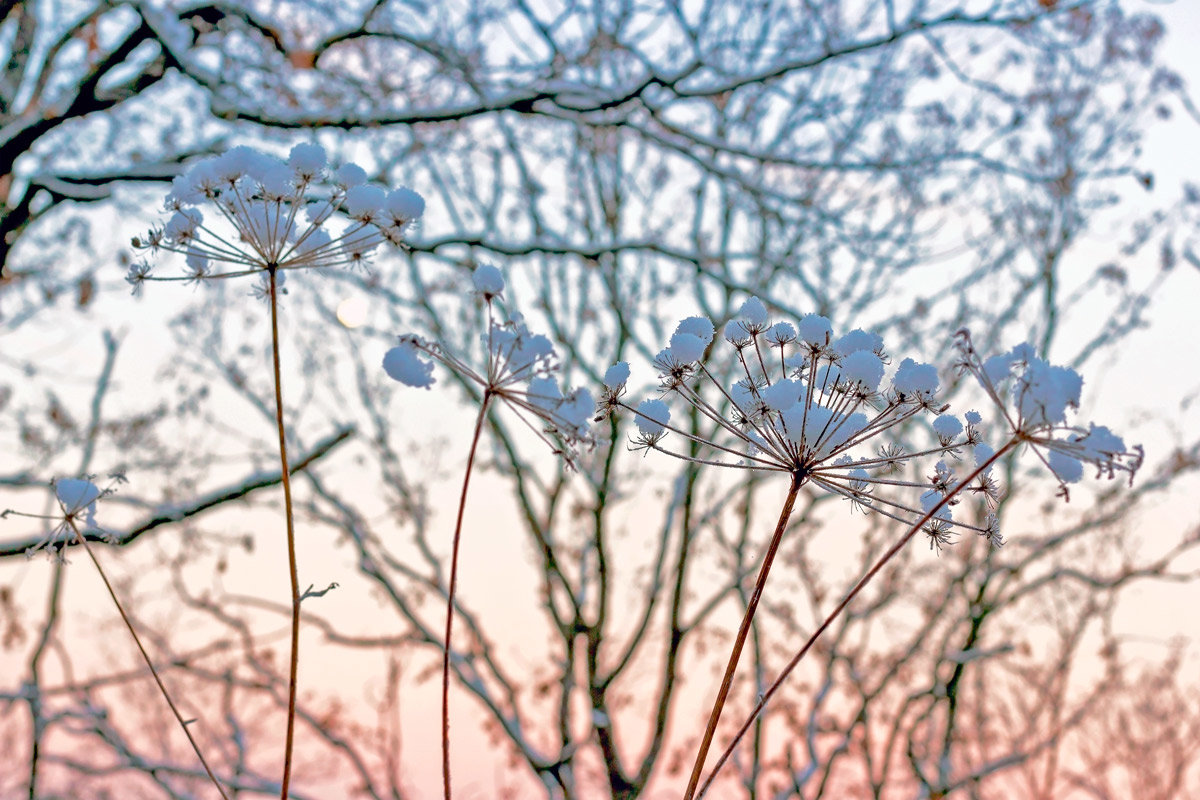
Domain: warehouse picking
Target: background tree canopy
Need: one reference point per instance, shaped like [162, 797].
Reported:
[907, 167]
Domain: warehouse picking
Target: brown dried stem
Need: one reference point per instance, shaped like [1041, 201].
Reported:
[294, 660]
[450, 591]
[727, 682]
[833, 615]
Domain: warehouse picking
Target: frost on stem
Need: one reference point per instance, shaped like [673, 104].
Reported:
[269, 214]
[521, 371]
[813, 405]
[1036, 399]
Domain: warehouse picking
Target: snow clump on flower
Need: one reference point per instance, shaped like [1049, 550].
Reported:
[520, 370]
[271, 215]
[947, 427]
[815, 330]
[77, 499]
[858, 340]
[781, 333]
[915, 379]
[404, 364]
[753, 314]
[488, 280]
[1037, 400]
[617, 375]
[864, 368]
[687, 348]
[815, 410]
[78, 496]
[652, 418]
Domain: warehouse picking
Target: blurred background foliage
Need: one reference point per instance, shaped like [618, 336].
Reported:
[905, 166]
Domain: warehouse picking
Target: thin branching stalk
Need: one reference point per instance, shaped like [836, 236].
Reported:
[462, 505]
[79, 537]
[833, 615]
[727, 682]
[294, 660]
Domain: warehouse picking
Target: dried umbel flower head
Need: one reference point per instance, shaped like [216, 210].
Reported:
[520, 370]
[1037, 399]
[813, 405]
[272, 215]
[76, 499]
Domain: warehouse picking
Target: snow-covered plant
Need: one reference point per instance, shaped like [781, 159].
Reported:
[1036, 408]
[813, 406]
[520, 371]
[76, 499]
[1036, 401]
[75, 519]
[271, 216]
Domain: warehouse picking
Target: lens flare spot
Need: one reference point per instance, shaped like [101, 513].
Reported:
[352, 312]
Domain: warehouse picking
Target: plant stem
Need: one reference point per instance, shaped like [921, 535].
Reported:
[294, 661]
[858, 587]
[462, 505]
[146, 657]
[727, 682]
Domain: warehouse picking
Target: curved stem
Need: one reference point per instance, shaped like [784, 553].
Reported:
[743, 632]
[462, 505]
[833, 615]
[146, 657]
[294, 661]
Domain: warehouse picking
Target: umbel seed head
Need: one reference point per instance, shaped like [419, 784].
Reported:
[270, 215]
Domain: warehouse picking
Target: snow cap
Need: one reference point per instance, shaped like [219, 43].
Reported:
[307, 160]
[403, 363]
[914, 378]
[488, 280]
[77, 494]
[700, 327]
[653, 416]
[753, 313]
[617, 375]
[687, 348]
[815, 330]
